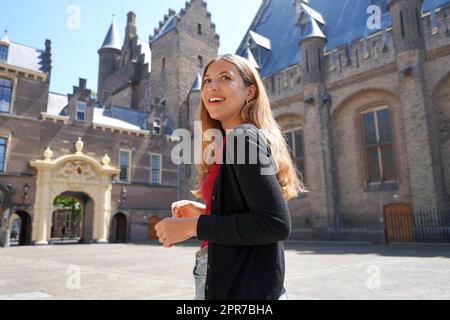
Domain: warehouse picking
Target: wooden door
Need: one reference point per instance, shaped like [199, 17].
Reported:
[399, 223]
[151, 232]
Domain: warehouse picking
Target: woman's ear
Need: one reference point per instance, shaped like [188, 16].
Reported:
[251, 92]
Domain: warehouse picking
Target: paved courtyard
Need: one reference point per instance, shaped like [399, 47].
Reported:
[149, 271]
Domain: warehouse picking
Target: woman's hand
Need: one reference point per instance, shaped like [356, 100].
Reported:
[174, 230]
[187, 209]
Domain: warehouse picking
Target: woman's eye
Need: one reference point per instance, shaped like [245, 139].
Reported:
[207, 81]
[226, 77]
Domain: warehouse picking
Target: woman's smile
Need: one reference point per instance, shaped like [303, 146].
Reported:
[216, 100]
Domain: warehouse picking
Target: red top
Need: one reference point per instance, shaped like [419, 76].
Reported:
[207, 188]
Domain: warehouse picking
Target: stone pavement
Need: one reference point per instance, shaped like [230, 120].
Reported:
[149, 271]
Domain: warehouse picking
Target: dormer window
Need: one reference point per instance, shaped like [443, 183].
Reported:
[3, 53]
[81, 111]
[156, 126]
[5, 95]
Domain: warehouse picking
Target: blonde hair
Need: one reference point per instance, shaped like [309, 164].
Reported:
[257, 111]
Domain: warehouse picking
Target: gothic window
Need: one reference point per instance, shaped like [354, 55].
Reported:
[2, 154]
[294, 139]
[156, 126]
[378, 145]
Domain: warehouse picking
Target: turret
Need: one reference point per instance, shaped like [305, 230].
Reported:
[312, 44]
[407, 24]
[312, 48]
[109, 53]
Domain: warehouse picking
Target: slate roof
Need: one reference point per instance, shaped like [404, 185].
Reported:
[131, 116]
[56, 103]
[345, 21]
[112, 39]
[169, 25]
[101, 117]
[26, 57]
[197, 86]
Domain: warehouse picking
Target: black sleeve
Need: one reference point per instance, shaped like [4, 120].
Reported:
[268, 219]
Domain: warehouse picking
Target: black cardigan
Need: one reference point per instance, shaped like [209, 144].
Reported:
[248, 222]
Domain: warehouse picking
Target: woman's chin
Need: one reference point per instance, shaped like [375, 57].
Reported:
[215, 117]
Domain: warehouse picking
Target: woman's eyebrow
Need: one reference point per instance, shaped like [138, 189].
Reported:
[220, 73]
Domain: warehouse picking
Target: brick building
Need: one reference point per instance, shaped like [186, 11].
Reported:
[110, 152]
[360, 88]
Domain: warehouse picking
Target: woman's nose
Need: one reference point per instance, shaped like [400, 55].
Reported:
[213, 85]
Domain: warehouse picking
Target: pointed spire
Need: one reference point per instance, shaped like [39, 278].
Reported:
[197, 86]
[5, 38]
[251, 59]
[313, 30]
[112, 39]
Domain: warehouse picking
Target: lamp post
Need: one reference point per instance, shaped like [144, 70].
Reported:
[26, 189]
[123, 195]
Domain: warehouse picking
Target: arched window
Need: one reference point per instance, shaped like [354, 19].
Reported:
[3, 142]
[378, 145]
[294, 139]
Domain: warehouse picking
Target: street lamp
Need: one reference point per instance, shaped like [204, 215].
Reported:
[123, 195]
[26, 189]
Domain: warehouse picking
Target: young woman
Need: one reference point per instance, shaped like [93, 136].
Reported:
[245, 217]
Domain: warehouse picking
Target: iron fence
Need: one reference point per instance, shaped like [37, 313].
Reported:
[428, 226]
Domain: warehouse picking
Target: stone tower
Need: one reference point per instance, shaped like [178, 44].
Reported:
[187, 116]
[421, 137]
[319, 162]
[181, 46]
[109, 53]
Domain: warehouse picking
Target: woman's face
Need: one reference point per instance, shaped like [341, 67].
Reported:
[224, 93]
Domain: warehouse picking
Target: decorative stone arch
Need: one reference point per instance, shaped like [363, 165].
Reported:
[289, 120]
[442, 81]
[441, 106]
[119, 227]
[25, 226]
[367, 98]
[72, 173]
[348, 142]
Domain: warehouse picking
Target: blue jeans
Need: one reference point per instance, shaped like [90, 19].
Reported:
[200, 269]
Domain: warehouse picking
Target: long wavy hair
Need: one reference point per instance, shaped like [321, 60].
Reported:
[257, 111]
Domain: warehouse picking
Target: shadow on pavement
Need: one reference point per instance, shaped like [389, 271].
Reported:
[391, 250]
[324, 248]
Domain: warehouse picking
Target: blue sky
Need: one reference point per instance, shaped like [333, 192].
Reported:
[74, 50]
